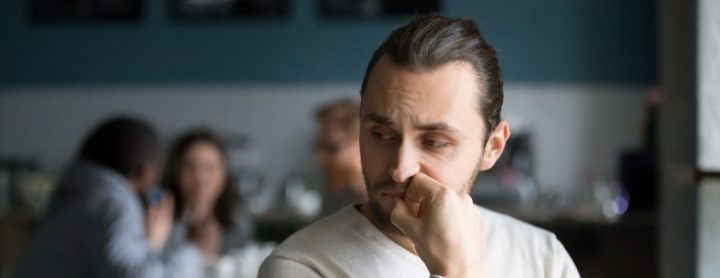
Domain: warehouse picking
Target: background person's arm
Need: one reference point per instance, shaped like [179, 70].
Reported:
[119, 247]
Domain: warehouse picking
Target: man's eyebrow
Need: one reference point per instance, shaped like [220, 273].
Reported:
[424, 127]
[377, 119]
[437, 127]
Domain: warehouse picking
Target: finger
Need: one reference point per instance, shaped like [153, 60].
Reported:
[421, 192]
[403, 218]
[421, 187]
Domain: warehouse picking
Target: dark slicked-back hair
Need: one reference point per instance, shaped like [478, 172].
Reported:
[124, 144]
[431, 41]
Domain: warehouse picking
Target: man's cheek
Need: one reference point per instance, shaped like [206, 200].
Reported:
[373, 166]
[445, 174]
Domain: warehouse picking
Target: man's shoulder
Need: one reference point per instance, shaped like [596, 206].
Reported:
[506, 224]
[522, 248]
[505, 231]
[325, 236]
[332, 226]
[504, 221]
[344, 244]
[91, 184]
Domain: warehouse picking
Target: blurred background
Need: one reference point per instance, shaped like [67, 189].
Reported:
[613, 105]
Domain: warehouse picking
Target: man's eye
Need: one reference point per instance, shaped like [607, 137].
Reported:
[382, 136]
[435, 144]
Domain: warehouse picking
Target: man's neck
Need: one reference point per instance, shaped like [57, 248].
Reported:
[396, 236]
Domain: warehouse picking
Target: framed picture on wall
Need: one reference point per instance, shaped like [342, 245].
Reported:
[228, 9]
[85, 10]
[376, 8]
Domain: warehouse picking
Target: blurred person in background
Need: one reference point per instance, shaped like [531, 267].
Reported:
[199, 179]
[337, 152]
[95, 225]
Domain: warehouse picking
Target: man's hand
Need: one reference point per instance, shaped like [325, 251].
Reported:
[445, 227]
[159, 221]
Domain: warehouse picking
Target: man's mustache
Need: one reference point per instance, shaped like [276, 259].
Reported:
[389, 185]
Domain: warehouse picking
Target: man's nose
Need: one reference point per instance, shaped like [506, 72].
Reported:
[405, 165]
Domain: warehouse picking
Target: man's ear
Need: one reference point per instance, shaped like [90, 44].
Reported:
[495, 145]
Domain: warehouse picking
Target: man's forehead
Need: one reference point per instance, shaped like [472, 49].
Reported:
[440, 98]
[419, 124]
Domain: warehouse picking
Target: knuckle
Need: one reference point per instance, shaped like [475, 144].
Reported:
[445, 192]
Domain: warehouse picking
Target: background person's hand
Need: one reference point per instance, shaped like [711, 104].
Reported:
[446, 228]
[159, 221]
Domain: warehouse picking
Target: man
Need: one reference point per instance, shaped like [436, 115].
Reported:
[337, 152]
[430, 122]
[95, 227]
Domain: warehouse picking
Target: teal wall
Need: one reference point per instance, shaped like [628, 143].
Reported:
[538, 41]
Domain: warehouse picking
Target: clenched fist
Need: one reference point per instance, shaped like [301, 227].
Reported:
[445, 226]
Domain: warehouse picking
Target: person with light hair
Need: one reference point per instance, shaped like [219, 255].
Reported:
[337, 153]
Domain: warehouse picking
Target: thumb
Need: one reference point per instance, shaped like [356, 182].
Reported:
[402, 217]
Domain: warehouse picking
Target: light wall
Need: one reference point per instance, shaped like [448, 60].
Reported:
[578, 130]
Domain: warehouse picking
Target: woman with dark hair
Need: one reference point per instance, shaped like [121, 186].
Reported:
[205, 200]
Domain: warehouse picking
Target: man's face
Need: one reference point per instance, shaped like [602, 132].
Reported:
[419, 122]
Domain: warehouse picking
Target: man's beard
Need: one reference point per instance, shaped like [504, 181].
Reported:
[383, 217]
